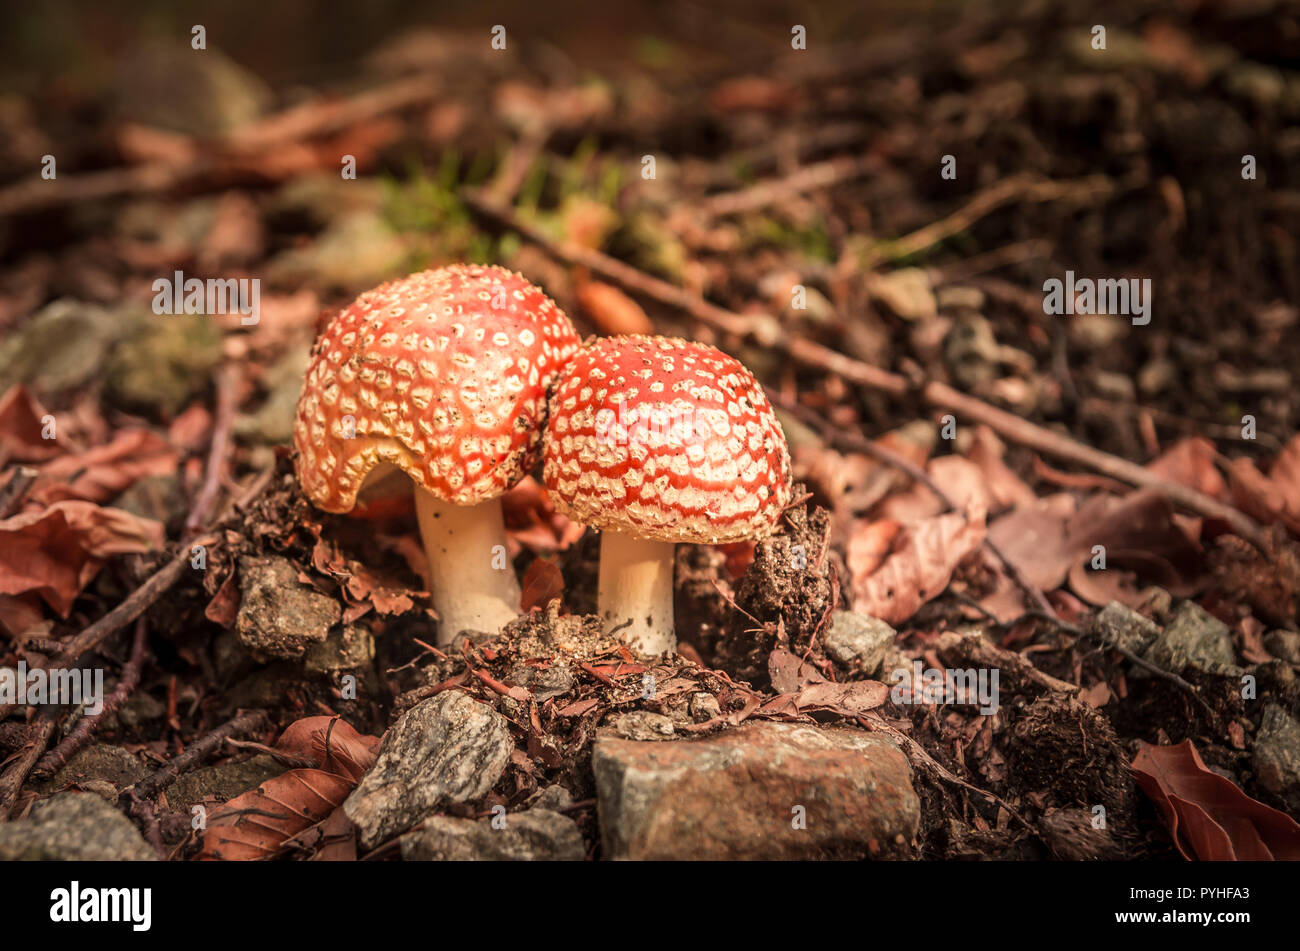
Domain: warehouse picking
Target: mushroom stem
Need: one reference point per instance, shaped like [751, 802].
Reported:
[635, 595]
[471, 579]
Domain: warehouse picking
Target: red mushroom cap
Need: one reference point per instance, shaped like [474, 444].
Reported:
[665, 439]
[444, 374]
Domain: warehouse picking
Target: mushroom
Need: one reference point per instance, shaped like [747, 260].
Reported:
[442, 375]
[655, 441]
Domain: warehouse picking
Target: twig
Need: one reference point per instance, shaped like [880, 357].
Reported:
[934, 393]
[16, 774]
[227, 382]
[15, 490]
[160, 779]
[56, 758]
[834, 171]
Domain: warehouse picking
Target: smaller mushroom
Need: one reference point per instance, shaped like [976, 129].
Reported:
[654, 441]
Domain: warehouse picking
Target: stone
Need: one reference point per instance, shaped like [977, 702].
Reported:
[537, 835]
[761, 791]
[858, 641]
[1277, 755]
[1284, 645]
[906, 292]
[643, 725]
[1193, 638]
[1121, 626]
[63, 345]
[98, 762]
[280, 616]
[165, 363]
[347, 648]
[704, 707]
[223, 781]
[140, 708]
[73, 827]
[449, 748]
[356, 250]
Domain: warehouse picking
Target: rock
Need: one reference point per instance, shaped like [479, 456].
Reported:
[537, 835]
[761, 791]
[906, 292]
[960, 297]
[1193, 638]
[61, 346]
[272, 423]
[971, 351]
[643, 725]
[222, 782]
[448, 748]
[165, 363]
[553, 798]
[279, 616]
[356, 250]
[140, 708]
[1113, 386]
[202, 94]
[1284, 645]
[73, 827]
[858, 642]
[704, 707]
[1277, 755]
[98, 762]
[348, 648]
[1123, 627]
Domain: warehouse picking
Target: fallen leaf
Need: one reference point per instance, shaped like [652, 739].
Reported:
[57, 551]
[918, 567]
[103, 473]
[1274, 497]
[542, 584]
[21, 428]
[1190, 462]
[1208, 815]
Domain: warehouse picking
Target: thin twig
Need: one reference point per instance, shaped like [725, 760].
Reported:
[227, 384]
[56, 758]
[16, 774]
[160, 779]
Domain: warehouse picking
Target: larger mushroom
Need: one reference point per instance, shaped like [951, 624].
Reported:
[442, 375]
[655, 441]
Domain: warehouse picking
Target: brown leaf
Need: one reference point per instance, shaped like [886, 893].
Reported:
[256, 824]
[1271, 498]
[20, 428]
[1209, 817]
[1007, 488]
[105, 472]
[542, 584]
[55, 552]
[1190, 462]
[919, 566]
[332, 743]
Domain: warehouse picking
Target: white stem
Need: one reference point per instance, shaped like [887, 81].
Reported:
[470, 576]
[636, 592]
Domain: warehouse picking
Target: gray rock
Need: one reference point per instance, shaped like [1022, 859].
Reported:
[73, 827]
[1193, 638]
[102, 762]
[448, 748]
[643, 725]
[761, 791]
[1284, 645]
[1277, 754]
[61, 346]
[704, 707]
[858, 642]
[537, 835]
[1123, 627]
[223, 781]
[280, 616]
[553, 798]
[140, 708]
[347, 648]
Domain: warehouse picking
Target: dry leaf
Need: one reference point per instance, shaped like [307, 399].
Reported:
[1209, 817]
